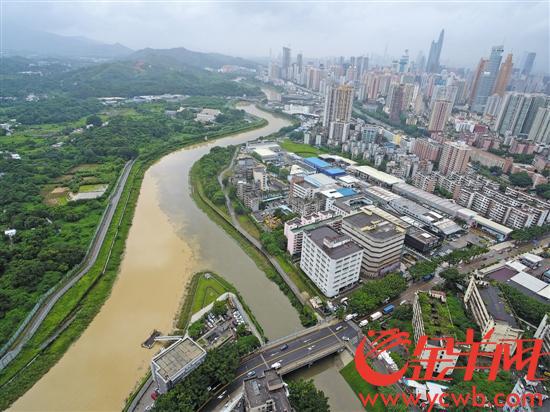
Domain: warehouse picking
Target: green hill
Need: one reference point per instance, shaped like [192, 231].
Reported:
[151, 74]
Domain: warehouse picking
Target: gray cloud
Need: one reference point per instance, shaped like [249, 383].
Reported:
[316, 29]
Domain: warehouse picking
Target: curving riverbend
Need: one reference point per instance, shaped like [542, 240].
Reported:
[170, 239]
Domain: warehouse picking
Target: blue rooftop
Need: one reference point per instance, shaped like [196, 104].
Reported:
[316, 162]
[346, 191]
[334, 171]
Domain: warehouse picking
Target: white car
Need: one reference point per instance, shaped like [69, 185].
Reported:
[276, 365]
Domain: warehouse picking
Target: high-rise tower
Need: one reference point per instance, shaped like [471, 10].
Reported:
[432, 66]
[487, 79]
[338, 104]
[396, 104]
[299, 62]
[454, 157]
[285, 63]
[504, 76]
[528, 64]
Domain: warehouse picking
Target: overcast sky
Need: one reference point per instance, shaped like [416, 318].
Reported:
[318, 29]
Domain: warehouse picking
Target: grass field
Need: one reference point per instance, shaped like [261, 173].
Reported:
[358, 385]
[208, 289]
[91, 188]
[300, 149]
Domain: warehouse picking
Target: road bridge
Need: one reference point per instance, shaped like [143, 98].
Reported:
[292, 352]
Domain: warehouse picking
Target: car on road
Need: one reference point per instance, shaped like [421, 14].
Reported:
[350, 316]
[388, 309]
[376, 316]
[284, 347]
[338, 328]
[345, 338]
[222, 395]
[364, 322]
[403, 302]
[251, 374]
[276, 365]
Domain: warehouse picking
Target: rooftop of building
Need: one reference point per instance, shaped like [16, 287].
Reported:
[503, 274]
[259, 390]
[334, 171]
[343, 244]
[377, 175]
[174, 358]
[349, 203]
[305, 184]
[348, 179]
[319, 179]
[378, 192]
[497, 305]
[345, 191]
[372, 224]
[265, 152]
[458, 145]
[316, 162]
[435, 315]
[336, 158]
[445, 205]
[312, 224]
[422, 235]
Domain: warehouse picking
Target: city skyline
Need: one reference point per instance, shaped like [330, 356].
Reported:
[392, 28]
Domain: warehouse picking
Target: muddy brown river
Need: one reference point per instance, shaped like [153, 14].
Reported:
[170, 239]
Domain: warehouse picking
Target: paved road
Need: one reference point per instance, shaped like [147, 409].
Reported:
[253, 240]
[298, 349]
[493, 256]
[88, 262]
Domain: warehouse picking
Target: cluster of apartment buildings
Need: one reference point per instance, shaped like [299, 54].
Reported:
[513, 208]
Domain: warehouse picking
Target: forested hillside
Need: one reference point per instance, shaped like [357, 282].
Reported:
[145, 73]
[53, 232]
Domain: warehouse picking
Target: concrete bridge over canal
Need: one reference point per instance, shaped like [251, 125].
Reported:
[292, 353]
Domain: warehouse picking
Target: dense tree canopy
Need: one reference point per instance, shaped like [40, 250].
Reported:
[373, 292]
[543, 190]
[524, 306]
[521, 179]
[304, 397]
[52, 237]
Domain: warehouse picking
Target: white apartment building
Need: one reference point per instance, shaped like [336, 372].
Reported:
[504, 208]
[331, 260]
[294, 229]
[488, 308]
